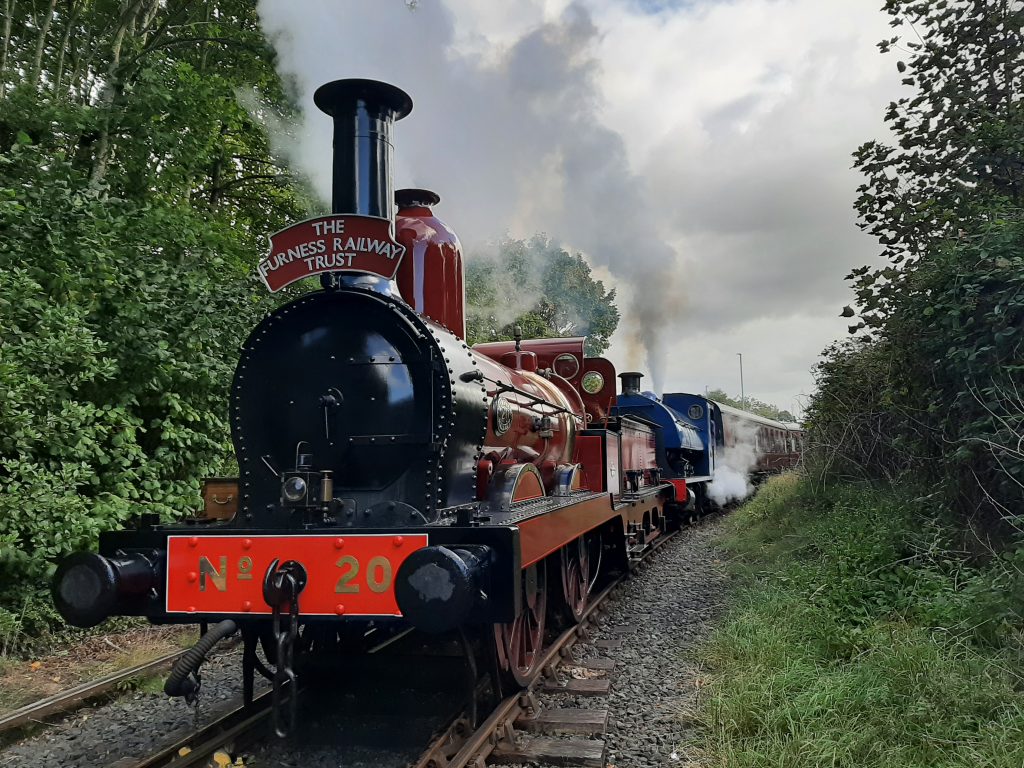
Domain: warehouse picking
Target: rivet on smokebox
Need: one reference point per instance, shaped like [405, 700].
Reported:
[246, 543]
[339, 609]
[193, 576]
[398, 541]
[339, 543]
[193, 541]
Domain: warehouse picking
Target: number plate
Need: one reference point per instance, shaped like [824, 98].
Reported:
[349, 575]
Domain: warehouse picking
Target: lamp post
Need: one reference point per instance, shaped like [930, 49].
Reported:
[743, 396]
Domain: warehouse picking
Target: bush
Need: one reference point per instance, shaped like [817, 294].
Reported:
[931, 389]
[114, 366]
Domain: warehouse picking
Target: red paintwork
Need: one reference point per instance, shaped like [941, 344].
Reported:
[520, 361]
[545, 349]
[527, 488]
[430, 277]
[600, 403]
[639, 450]
[613, 463]
[543, 535]
[590, 454]
[320, 555]
[335, 243]
[540, 536]
[522, 442]
[570, 393]
[484, 473]
[680, 486]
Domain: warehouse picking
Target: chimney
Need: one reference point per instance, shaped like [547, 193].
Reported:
[631, 382]
[430, 277]
[416, 198]
[364, 112]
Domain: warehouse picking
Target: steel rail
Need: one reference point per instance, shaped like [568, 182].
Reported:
[236, 727]
[74, 698]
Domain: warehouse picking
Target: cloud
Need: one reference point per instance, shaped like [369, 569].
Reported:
[698, 152]
[759, 105]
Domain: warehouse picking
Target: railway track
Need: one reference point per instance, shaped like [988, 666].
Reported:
[68, 701]
[459, 746]
[231, 731]
[509, 733]
[514, 731]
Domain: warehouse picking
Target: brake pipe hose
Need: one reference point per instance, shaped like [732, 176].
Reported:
[184, 677]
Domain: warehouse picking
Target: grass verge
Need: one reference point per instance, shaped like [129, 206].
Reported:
[88, 658]
[864, 632]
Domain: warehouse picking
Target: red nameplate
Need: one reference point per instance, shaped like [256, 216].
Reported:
[349, 574]
[335, 243]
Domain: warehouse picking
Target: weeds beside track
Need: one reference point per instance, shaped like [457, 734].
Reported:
[864, 633]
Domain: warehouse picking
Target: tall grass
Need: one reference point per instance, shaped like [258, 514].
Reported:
[863, 633]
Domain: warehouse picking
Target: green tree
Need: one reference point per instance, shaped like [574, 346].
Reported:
[958, 162]
[932, 391]
[541, 287]
[135, 195]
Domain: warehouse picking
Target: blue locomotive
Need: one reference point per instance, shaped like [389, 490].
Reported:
[697, 436]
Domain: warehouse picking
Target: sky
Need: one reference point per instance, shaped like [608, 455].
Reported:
[697, 152]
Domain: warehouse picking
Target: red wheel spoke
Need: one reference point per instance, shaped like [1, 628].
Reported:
[521, 641]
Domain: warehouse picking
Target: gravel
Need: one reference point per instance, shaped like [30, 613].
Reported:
[379, 713]
[661, 614]
[130, 726]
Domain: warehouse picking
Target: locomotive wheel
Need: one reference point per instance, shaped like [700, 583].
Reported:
[521, 642]
[581, 561]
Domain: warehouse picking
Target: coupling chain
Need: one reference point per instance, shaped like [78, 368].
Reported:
[281, 589]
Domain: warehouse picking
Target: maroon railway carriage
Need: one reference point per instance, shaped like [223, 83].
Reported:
[776, 445]
[389, 475]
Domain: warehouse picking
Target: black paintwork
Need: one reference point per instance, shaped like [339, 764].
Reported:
[374, 393]
[364, 112]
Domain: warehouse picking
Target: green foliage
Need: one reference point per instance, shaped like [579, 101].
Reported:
[135, 192]
[751, 404]
[863, 634]
[932, 386]
[960, 137]
[540, 287]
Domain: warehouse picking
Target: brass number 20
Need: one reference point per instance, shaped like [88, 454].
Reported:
[345, 584]
[378, 575]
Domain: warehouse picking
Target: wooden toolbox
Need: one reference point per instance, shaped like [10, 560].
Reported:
[220, 497]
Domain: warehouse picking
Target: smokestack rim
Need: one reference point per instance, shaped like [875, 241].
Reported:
[339, 96]
[630, 382]
[412, 197]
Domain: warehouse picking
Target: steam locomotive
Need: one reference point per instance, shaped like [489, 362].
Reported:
[389, 474]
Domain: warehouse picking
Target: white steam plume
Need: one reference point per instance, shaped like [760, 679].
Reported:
[733, 465]
[508, 131]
